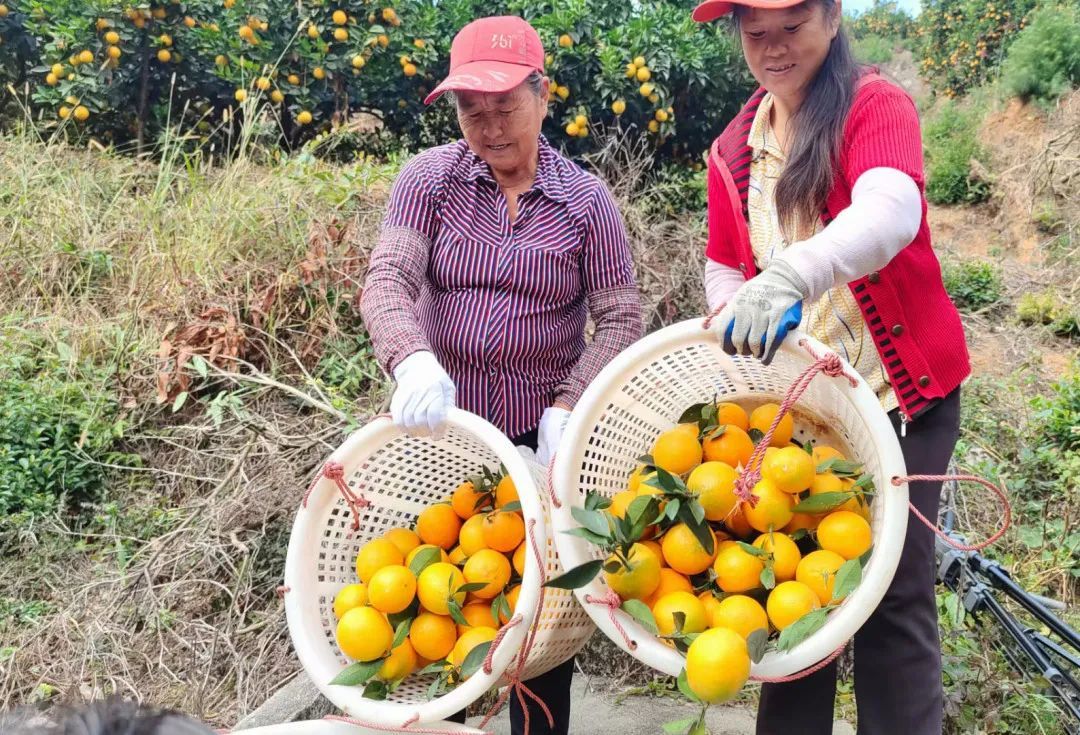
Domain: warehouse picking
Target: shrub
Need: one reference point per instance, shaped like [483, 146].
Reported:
[1058, 416]
[60, 422]
[949, 135]
[972, 284]
[223, 70]
[1047, 309]
[872, 49]
[1044, 61]
[961, 43]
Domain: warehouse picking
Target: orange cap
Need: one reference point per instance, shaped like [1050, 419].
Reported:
[492, 55]
[713, 9]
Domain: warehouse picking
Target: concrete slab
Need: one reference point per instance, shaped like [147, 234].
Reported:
[298, 700]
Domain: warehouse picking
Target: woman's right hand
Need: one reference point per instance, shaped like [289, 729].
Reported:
[424, 394]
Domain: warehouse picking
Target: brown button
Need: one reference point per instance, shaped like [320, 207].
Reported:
[924, 381]
[874, 277]
[897, 330]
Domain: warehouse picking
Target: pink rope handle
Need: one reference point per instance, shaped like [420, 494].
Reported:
[707, 322]
[282, 589]
[516, 685]
[612, 602]
[1002, 497]
[335, 472]
[536, 550]
[550, 486]
[404, 727]
[830, 364]
[804, 673]
[512, 623]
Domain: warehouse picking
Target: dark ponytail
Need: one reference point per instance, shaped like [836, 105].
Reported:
[817, 128]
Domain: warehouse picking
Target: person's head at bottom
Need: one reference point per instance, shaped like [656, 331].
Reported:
[113, 716]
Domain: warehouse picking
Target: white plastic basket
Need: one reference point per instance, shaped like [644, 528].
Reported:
[337, 727]
[644, 390]
[400, 475]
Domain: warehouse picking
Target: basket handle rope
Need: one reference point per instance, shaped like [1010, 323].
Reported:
[552, 495]
[829, 364]
[1003, 499]
[335, 472]
[517, 686]
[406, 726]
[613, 602]
[805, 672]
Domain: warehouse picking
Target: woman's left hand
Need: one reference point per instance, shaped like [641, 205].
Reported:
[552, 423]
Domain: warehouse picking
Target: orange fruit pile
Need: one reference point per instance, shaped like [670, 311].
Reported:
[440, 589]
[769, 565]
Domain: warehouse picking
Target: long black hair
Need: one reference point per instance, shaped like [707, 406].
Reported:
[817, 128]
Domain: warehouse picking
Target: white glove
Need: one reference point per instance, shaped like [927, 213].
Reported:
[757, 309]
[424, 393]
[552, 423]
[527, 453]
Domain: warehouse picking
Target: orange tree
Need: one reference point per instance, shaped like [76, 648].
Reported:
[961, 43]
[885, 18]
[638, 69]
[17, 46]
[125, 72]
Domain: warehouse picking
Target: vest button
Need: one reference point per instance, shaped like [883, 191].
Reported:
[874, 277]
[924, 381]
[897, 330]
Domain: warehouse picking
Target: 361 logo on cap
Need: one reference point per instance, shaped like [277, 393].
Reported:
[504, 40]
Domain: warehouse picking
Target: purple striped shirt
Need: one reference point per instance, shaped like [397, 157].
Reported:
[502, 305]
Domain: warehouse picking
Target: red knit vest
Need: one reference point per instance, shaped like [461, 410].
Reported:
[914, 324]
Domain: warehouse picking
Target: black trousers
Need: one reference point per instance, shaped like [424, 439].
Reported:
[898, 685]
[553, 687]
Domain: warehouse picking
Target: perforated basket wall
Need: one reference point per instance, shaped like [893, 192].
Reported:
[401, 475]
[646, 388]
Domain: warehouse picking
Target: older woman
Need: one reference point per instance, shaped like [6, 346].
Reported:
[493, 250]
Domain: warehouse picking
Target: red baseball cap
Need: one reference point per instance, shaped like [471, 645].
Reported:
[713, 9]
[492, 55]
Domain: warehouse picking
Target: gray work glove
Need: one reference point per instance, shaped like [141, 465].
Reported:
[761, 312]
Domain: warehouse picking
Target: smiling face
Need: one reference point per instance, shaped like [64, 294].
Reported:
[503, 128]
[785, 48]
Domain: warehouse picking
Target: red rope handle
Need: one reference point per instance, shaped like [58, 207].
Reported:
[804, 673]
[830, 364]
[550, 486]
[335, 472]
[1002, 497]
[612, 602]
[516, 685]
[512, 623]
[405, 727]
[707, 322]
[536, 550]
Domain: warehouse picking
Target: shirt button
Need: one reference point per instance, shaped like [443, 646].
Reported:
[874, 277]
[897, 330]
[924, 381]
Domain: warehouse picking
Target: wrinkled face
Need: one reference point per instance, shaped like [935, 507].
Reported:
[503, 128]
[786, 47]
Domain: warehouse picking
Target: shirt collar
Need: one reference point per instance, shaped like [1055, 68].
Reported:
[548, 174]
[761, 138]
